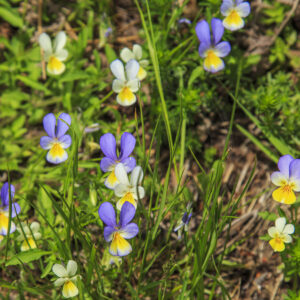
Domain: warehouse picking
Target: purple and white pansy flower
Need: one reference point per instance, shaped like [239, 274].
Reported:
[56, 141]
[4, 209]
[108, 163]
[115, 233]
[211, 49]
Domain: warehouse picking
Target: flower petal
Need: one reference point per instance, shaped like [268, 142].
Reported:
[280, 223]
[49, 123]
[129, 231]
[213, 63]
[55, 66]
[111, 181]
[117, 68]
[126, 97]
[287, 239]
[121, 189]
[126, 55]
[60, 281]
[127, 214]
[69, 289]
[138, 192]
[217, 30]
[4, 222]
[203, 48]
[35, 227]
[233, 21]
[46, 142]
[294, 169]
[128, 197]
[108, 233]
[62, 54]
[129, 163]
[203, 33]
[243, 9]
[45, 43]
[223, 49]
[272, 231]
[71, 268]
[289, 229]
[278, 179]
[284, 195]
[121, 174]
[57, 154]
[136, 176]
[107, 164]
[107, 214]
[59, 42]
[59, 270]
[119, 246]
[118, 85]
[134, 85]
[132, 69]
[277, 245]
[141, 74]
[127, 145]
[226, 6]
[108, 146]
[65, 141]
[137, 51]
[5, 193]
[63, 124]
[284, 164]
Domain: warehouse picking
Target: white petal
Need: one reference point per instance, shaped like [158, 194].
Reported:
[126, 55]
[278, 179]
[121, 174]
[272, 231]
[280, 223]
[136, 176]
[62, 54]
[121, 189]
[134, 85]
[289, 229]
[144, 63]
[71, 268]
[35, 227]
[59, 42]
[45, 42]
[118, 85]
[287, 238]
[59, 270]
[117, 68]
[138, 192]
[37, 235]
[60, 281]
[243, 9]
[132, 69]
[295, 183]
[137, 51]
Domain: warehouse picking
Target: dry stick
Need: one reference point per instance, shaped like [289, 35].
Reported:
[40, 30]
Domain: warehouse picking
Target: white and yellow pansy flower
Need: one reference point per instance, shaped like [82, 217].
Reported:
[129, 191]
[55, 55]
[67, 278]
[280, 234]
[32, 234]
[126, 83]
[136, 53]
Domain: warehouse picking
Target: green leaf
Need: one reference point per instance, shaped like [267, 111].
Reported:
[26, 257]
[33, 84]
[110, 53]
[74, 76]
[11, 17]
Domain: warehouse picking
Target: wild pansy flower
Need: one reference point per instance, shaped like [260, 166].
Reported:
[32, 234]
[184, 21]
[288, 178]
[183, 224]
[129, 191]
[67, 278]
[54, 55]
[108, 146]
[280, 234]
[136, 53]
[125, 85]
[234, 11]
[118, 233]
[57, 141]
[212, 49]
[4, 209]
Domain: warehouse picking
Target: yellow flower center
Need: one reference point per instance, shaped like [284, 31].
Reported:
[30, 245]
[212, 60]
[55, 64]
[285, 194]
[3, 222]
[128, 197]
[56, 150]
[126, 95]
[234, 18]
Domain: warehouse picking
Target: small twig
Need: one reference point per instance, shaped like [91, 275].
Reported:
[276, 287]
[40, 30]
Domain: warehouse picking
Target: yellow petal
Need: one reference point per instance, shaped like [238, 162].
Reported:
[55, 66]
[111, 181]
[119, 246]
[25, 245]
[277, 244]
[284, 195]
[212, 61]
[128, 197]
[141, 73]
[126, 97]
[57, 150]
[3, 223]
[233, 20]
[69, 289]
